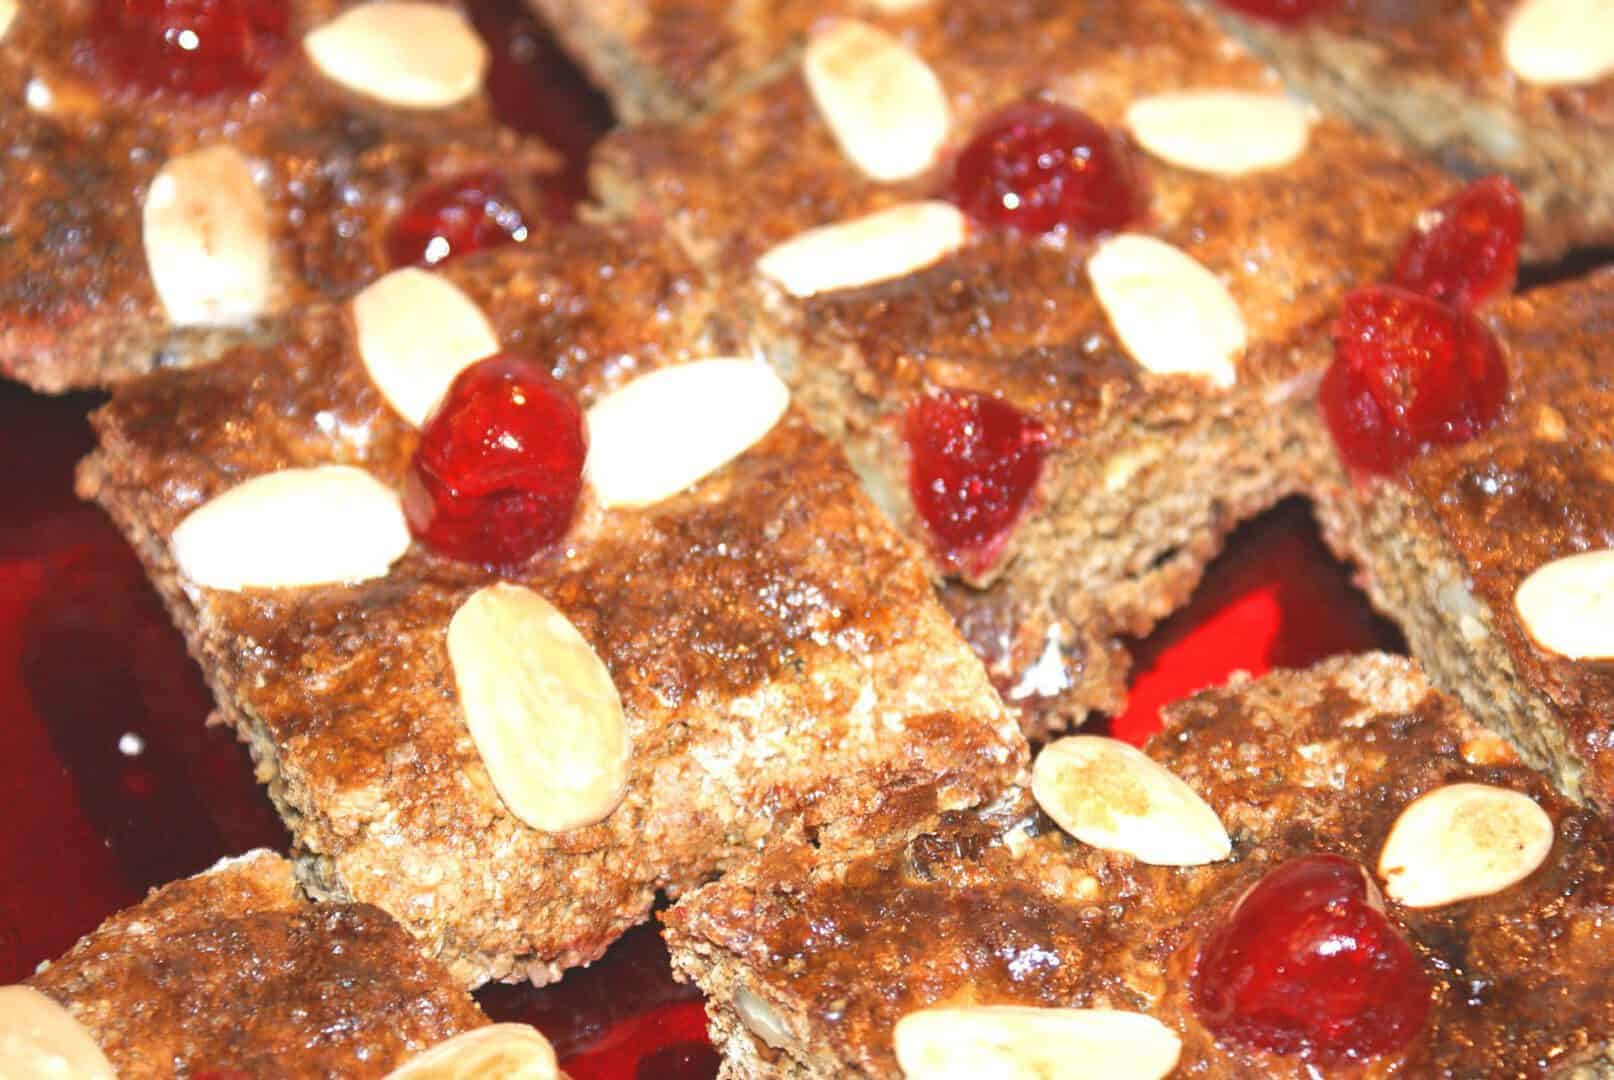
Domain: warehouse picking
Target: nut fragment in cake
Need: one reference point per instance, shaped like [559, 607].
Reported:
[1113, 796]
[507, 1051]
[410, 54]
[541, 707]
[883, 103]
[39, 1038]
[1568, 605]
[665, 431]
[416, 330]
[295, 527]
[886, 244]
[1461, 841]
[1560, 42]
[1222, 132]
[1024, 1041]
[205, 228]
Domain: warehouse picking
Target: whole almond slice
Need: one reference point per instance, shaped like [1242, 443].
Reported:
[293, 528]
[205, 228]
[1462, 841]
[1173, 315]
[886, 244]
[665, 431]
[416, 331]
[541, 707]
[971, 1042]
[39, 1038]
[883, 103]
[1221, 132]
[506, 1051]
[406, 53]
[1113, 796]
[1560, 42]
[1567, 606]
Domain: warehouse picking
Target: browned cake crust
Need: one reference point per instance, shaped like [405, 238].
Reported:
[1006, 909]
[77, 303]
[782, 661]
[1433, 74]
[229, 970]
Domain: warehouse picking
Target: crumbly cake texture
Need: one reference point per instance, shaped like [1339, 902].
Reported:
[1434, 75]
[79, 307]
[231, 970]
[784, 665]
[1146, 473]
[1444, 545]
[1004, 908]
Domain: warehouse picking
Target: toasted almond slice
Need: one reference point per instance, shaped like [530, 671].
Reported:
[8, 12]
[1567, 606]
[295, 527]
[39, 1038]
[416, 331]
[406, 53]
[205, 227]
[1560, 42]
[663, 432]
[886, 244]
[504, 1051]
[884, 105]
[1113, 796]
[1222, 132]
[541, 707]
[1173, 315]
[1461, 841]
[975, 1041]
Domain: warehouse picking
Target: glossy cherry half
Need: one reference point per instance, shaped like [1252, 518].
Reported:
[1282, 12]
[189, 48]
[1466, 250]
[468, 213]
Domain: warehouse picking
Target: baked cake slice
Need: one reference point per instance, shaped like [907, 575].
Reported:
[1317, 872]
[166, 200]
[513, 762]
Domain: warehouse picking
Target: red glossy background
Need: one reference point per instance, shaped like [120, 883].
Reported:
[112, 782]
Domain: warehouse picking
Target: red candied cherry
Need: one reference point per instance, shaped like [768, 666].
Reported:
[1038, 166]
[192, 48]
[1408, 373]
[500, 464]
[973, 464]
[1467, 249]
[1282, 12]
[456, 217]
[1307, 964]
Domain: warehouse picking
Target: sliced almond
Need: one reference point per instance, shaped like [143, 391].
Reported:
[8, 12]
[205, 227]
[1567, 606]
[665, 431]
[1174, 316]
[1461, 841]
[896, 7]
[1221, 132]
[977, 1041]
[39, 1038]
[887, 244]
[296, 527]
[406, 53]
[1560, 42]
[416, 331]
[1113, 796]
[505, 1051]
[883, 103]
[541, 707]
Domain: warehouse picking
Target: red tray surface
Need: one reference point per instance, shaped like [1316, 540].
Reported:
[113, 783]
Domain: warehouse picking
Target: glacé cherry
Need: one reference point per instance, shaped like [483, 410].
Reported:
[1408, 373]
[1282, 12]
[1467, 249]
[973, 464]
[1307, 964]
[499, 468]
[190, 48]
[456, 217]
[1038, 166]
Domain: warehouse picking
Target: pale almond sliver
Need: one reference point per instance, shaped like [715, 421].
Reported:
[886, 244]
[205, 229]
[1221, 132]
[971, 1042]
[501, 1051]
[883, 103]
[39, 1038]
[1560, 42]
[406, 53]
[416, 331]
[1463, 841]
